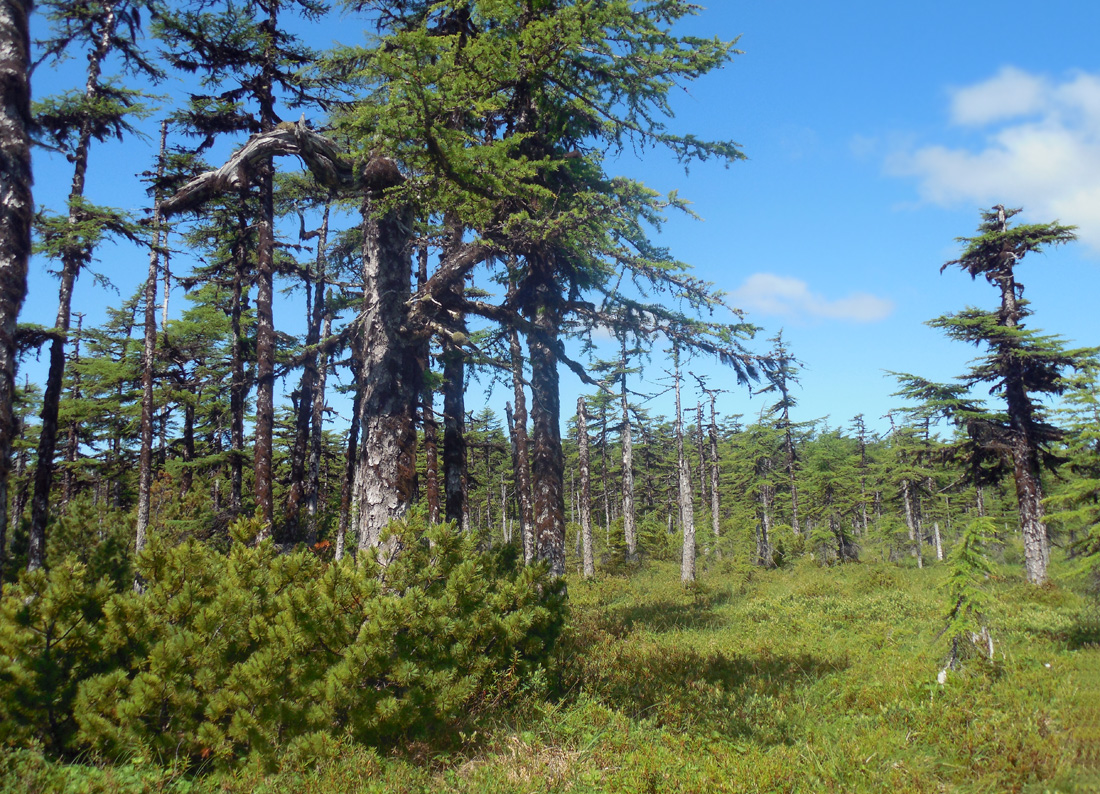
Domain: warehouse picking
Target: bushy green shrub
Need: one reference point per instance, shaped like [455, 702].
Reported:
[50, 641]
[255, 654]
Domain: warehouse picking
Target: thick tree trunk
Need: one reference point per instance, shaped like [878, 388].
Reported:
[145, 461]
[456, 504]
[391, 378]
[16, 215]
[586, 488]
[547, 461]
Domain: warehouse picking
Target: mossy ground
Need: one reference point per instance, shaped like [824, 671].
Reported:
[801, 679]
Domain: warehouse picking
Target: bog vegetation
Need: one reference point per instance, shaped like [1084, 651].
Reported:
[210, 585]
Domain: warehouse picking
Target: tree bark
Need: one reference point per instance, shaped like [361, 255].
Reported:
[547, 461]
[684, 500]
[145, 462]
[348, 483]
[910, 522]
[629, 526]
[390, 376]
[299, 454]
[317, 430]
[16, 215]
[238, 387]
[714, 505]
[586, 488]
[455, 497]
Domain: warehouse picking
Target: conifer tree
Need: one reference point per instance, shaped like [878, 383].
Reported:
[101, 110]
[1075, 503]
[781, 378]
[247, 51]
[1019, 363]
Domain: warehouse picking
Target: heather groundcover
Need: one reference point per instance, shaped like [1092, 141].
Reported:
[798, 679]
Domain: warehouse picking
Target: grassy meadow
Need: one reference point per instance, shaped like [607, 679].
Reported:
[802, 679]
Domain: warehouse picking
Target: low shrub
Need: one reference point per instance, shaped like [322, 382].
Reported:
[224, 658]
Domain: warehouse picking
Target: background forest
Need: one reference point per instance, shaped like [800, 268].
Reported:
[211, 578]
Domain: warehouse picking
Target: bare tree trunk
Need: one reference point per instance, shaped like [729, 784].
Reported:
[145, 462]
[714, 506]
[16, 215]
[238, 388]
[586, 487]
[456, 502]
[629, 527]
[547, 462]
[316, 441]
[73, 259]
[265, 290]
[427, 409]
[687, 509]
[390, 377]
[700, 442]
[299, 454]
[765, 555]
[72, 442]
[910, 522]
[265, 354]
[348, 484]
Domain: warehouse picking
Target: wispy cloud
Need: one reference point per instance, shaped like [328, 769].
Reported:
[1040, 149]
[792, 298]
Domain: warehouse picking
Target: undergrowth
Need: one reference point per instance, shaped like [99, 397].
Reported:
[798, 679]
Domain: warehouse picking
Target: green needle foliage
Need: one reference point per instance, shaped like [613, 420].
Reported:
[257, 655]
[969, 569]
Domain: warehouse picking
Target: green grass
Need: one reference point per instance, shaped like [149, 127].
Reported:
[801, 679]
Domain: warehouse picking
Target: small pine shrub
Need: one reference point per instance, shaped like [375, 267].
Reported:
[50, 642]
[254, 654]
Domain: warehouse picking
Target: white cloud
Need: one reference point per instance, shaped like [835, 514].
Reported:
[784, 296]
[1040, 150]
[1010, 94]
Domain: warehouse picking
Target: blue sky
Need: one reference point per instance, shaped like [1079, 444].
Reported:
[875, 132]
